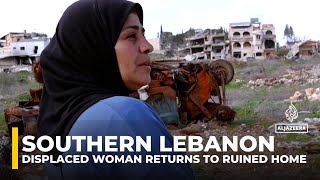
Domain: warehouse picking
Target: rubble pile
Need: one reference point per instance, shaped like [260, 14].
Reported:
[15, 68]
[311, 94]
[308, 75]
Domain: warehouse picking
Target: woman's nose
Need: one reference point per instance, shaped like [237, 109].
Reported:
[146, 47]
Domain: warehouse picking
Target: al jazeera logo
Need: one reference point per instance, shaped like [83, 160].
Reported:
[290, 127]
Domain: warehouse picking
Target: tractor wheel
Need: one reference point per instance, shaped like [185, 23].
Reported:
[222, 70]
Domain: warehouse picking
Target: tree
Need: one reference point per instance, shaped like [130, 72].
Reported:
[191, 32]
[291, 31]
[277, 45]
[289, 35]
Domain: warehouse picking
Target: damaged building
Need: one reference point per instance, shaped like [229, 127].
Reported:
[21, 48]
[252, 40]
[304, 49]
[245, 40]
[206, 45]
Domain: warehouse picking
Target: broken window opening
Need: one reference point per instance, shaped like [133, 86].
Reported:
[269, 44]
[197, 42]
[217, 49]
[258, 36]
[237, 54]
[268, 32]
[22, 48]
[236, 45]
[246, 33]
[236, 34]
[35, 50]
[258, 54]
[196, 50]
[244, 54]
[246, 45]
[208, 56]
[217, 40]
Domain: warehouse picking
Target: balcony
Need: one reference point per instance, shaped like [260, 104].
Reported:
[197, 46]
[242, 39]
[269, 36]
[218, 35]
[218, 44]
[236, 49]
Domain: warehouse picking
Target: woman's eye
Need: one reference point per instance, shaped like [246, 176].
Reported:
[132, 36]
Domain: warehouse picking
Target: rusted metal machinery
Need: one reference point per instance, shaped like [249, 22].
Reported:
[183, 91]
[24, 115]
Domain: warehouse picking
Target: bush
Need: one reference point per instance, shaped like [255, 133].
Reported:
[282, 52]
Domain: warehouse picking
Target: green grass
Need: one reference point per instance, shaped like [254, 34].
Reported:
[249, 122]
[3, 125]
[23, 97]
[23, 74]
[306, 105]
[304, 138]
[235, 85]
[246, 112]
[314, 115]
[244, 115]
[10, 102]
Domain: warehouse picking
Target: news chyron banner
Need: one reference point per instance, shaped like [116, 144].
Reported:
[186, 149]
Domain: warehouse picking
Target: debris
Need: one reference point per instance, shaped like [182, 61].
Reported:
[307, 75]
[311, 94]
[182, 91]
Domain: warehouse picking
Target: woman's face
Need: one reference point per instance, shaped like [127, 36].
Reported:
[132, 51]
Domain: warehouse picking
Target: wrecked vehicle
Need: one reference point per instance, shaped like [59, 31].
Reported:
[180, 92]
[24, 115]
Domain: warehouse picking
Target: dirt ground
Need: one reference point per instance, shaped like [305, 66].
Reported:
[309, 170]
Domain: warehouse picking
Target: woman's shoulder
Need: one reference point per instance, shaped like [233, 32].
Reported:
[119, 101]
[120, 107]
[117, 114]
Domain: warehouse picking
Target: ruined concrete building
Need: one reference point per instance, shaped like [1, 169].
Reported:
[251, 40]
[303, 49]
[21, 47]
[209, 45]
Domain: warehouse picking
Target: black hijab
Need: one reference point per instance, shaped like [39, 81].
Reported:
[79, 65]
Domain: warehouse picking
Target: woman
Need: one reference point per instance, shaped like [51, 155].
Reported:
[97, 57]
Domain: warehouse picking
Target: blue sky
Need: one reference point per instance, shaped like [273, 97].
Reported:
[175, 15]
